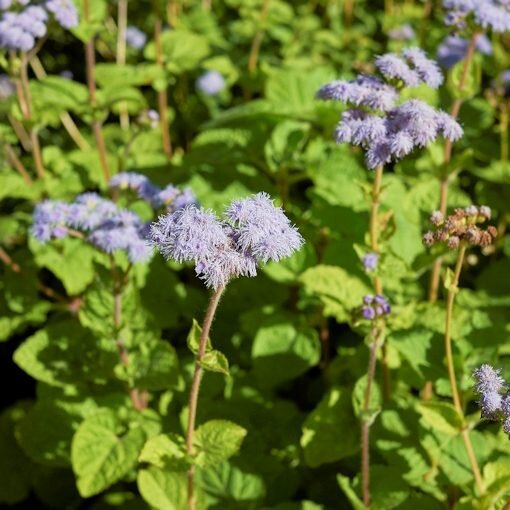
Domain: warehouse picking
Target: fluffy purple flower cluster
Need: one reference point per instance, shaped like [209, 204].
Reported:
[453, 49]
[370, 261]
[100, 221]
[135, 37]
[374, 307]
[170, 197]
[252, 231]
[487, 14]
[211, 83]
[494, 396]
[20, 29]
[388, 131]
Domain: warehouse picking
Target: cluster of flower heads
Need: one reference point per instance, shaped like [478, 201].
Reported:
[135, 37]
[252, 231]
[100, 221]
[386, 130]
[487, 14]
[494, 397]
[19, 29]
[454, 48]
[374, 307]
[370, 261]
[461, 226]
[170, 197]
[211, 83]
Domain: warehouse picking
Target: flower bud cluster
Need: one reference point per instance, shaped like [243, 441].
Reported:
[19, 29]
[461, 226]
[494, 395]
[374, 307]
[486, 14]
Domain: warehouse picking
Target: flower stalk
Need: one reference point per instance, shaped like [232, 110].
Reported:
[195, 388]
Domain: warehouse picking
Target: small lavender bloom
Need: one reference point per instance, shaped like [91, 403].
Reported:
[505, 77]
[138, 183]
[185, 198]
[90, 210]
[211, 83]
[12, 34]
[31, 23]
[67, 74]
[427, 70]
[488, 380]
[263, 229]
[7, 88]
[50, 220]
[367, 91]
[453, 49]
[506, 426]
[368, 299]
[368, 313]
[384, 305]
[5, 4]
[64, 11]
[135, 37]
[490, 403]
[394, 67]
[370, 261]
[487, 14]
[153, 117]
[402, 33]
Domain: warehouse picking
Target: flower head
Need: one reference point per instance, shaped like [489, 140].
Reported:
[211, 83]
[135, 37]
[487, 14]
[50, 221]
[253, 231]
[65, 12]
[370, 261]
[375, 306]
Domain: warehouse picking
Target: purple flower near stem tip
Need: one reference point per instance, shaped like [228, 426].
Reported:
[375, 306]
[211, 83]
[488, 380]
[453, 49]
[67, 74]
[5, 4]
[7, 88]
[135, 37]
[50, 220]
[254, 231]
[65, 12]
[487, 14]
[370, 261]
[402, 33]
[368, 313]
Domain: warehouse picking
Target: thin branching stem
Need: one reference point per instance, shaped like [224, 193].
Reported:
[122, 17]
[195, 387]
[257, 40]
[452, 291]
[447, 156]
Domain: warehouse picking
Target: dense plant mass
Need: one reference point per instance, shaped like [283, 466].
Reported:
[254, 254]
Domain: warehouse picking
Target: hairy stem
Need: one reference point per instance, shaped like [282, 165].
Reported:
[257, 40]
[447, 156]
[195, 387]
[138, 398]
[366, 421]
[122, 16]
[451, 370]
[90, 62]
[162, 94]
[503, 131]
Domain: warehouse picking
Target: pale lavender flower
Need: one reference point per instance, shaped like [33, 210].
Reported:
[64, 11]
[90, 210]
[50, 220]
[403, 33]
[374, 307]
[255, 231]
[368, 91]
[370, 261]
[7, 88]
[490, 403]
[12, 35]
[136, 182]
[135, 37]
[211, 83]
[488, 380]
[487, 14]
[5, 4]
[394, 67]
[453, 49]
[427, 69]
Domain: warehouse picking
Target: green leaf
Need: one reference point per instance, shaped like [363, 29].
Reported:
[166, 452]
[281, 352]
[358, 399]
[331, 431]
[345, 485]
[216, 441]
[215, 361]
[449, 281]
[103, 451]
[163, 490]
[440, 416]
[15, 467]
[473, 80]
[193, 339]
[339, 291]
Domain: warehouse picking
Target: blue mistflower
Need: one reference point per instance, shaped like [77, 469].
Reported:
[135, 37]
[253, 231]
[65, 12]
[51, 218]
[374, 307]
[211, 83]
[370, 261]
[453, 49]
[487, 14]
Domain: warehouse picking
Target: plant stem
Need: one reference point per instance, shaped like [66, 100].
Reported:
[451, 370]
[17, 164]
[122, 16]
[257, 40]
[195, 387]
[503, 131]
[445, 178]
[90, 62]
[162, 94]
[138, 398]
[366, 421]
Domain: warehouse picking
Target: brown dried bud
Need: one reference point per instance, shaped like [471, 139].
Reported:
[453, 242]
[493, 231]
[429, 238]
[436, 218]
[473, 235]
